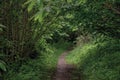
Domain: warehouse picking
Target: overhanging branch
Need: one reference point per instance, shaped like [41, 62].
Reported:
[111, 7]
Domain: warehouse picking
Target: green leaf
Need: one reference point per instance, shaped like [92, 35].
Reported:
[30, 6]
[38, 16]
[1, 29]
[69, 1]
[2, 26]
[3, 65]
[27, 2]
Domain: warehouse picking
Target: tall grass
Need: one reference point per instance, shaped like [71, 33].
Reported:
[97, 60]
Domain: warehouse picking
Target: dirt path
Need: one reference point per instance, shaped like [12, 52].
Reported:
[63, 69]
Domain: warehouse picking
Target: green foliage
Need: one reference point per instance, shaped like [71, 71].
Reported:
[33, 4]
[1, 27]
[95, 16]
[97, 61]
[33, 26]
[42, 68]
[3, 66]
[2, 63]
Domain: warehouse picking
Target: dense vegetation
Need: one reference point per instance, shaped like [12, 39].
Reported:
[99, 61]
[98, 46]
[33, 33]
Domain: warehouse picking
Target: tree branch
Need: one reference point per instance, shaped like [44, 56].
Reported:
[111, 7]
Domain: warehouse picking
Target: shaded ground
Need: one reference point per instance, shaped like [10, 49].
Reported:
[63, 69]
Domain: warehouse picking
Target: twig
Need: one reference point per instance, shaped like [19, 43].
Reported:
[111, 7]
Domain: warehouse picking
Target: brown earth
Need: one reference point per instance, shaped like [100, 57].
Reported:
[64, 70]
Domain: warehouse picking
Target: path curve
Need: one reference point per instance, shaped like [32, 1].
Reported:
[63, 69]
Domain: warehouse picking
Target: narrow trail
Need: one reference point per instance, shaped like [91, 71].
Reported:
[63, 69]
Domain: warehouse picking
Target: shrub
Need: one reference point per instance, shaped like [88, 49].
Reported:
[97, 61]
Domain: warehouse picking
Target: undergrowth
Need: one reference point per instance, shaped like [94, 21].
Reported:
[41, 68]
[97, 60]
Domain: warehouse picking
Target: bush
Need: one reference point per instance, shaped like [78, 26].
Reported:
[97, 61]
[41, 68]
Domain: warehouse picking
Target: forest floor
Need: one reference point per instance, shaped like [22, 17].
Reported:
[64, 70]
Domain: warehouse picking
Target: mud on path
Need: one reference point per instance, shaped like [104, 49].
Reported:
[63, 69]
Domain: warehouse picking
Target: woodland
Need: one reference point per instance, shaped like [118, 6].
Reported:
[34, 33]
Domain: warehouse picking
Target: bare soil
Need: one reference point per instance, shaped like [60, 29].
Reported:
[64, 70]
